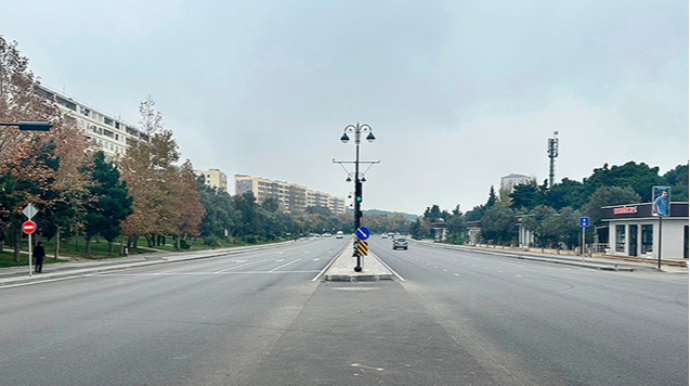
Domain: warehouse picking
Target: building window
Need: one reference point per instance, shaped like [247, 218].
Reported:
[66, 103]
[620, 238]
[647, 242]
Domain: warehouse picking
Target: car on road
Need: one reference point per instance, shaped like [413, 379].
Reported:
[400, 243]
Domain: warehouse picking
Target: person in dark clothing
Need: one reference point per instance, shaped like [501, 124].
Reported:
[39, 254]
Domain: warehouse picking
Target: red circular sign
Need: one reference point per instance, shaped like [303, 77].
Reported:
[29, 227]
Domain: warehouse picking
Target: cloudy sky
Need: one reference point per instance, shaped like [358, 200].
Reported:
[459, 93]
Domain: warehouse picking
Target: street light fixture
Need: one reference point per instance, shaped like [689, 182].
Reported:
[357, 130]
[31, 125]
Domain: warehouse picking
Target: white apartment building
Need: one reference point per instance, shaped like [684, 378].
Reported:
[112, 135]
[291, 197]
[214, 178]
[509, 182]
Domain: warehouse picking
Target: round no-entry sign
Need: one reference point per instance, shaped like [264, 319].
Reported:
[29, 227]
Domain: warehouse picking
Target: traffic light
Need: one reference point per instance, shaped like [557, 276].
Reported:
[358, 191]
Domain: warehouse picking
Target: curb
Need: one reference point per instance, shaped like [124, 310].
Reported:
[513, 255]
[163, 258]
[343, 268]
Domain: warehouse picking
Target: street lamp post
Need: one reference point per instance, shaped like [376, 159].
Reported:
[358, 130]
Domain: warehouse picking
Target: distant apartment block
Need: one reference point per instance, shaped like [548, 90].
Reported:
[112, 135]
[509, 182]
[214, 178]
[291, 197]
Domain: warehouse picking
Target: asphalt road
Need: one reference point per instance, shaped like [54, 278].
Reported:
[551, 324]
[260, 319]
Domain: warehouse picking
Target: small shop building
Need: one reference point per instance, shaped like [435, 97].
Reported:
[634, 231]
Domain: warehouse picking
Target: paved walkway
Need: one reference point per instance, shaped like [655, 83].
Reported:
[608, 264]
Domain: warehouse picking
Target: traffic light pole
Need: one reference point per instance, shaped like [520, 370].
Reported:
[357, 130]
[358, 199]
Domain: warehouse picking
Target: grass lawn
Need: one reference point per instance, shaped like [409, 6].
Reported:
[200, 246]
[7, 259]
[73, 248]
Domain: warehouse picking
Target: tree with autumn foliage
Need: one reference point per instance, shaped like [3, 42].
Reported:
[190, 211]
[166, 201]
[37, 167]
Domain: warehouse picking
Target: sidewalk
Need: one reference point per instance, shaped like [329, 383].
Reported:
[56, 271]
[606, 264]
[343, 268]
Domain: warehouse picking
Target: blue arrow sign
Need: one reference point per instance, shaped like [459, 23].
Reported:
[584, 221]
[362, 233]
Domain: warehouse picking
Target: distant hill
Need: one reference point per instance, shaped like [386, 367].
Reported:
[379, 212]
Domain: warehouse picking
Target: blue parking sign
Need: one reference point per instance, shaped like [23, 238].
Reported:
[584, 221]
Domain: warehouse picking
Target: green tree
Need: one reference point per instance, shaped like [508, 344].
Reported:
[219, 219]
[526, 196]
[498, 224]
[640, 177]
[608, 196]
[677, 179]
[109, 203]
[432, 214]
[420, 229]
[270, 204]
[541, 222]
[567, 193]
[492, 198]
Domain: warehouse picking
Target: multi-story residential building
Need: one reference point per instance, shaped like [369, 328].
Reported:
[291, 197]
[214, 178]
[110, 134]
[509, 182]
[335, 204]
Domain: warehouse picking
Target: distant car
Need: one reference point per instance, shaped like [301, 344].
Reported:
[384, 236]
[400, 243]
[339, 235]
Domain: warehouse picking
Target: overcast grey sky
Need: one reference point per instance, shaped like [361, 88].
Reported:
[459, 93]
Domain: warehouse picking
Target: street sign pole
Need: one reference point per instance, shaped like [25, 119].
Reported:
[30, 211]
[584, 223]
[583, 244]
[29, 227]
[659, 257]
[30, 255]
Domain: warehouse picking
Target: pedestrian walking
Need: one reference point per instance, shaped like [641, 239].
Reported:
[39, 254]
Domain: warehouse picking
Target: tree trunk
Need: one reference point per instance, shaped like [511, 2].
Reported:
[178, 242]
[57, 243]
[110, 248]
[149, 240]
[88, 246]
[17, 244]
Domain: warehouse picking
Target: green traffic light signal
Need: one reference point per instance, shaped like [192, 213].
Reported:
[358, 191]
